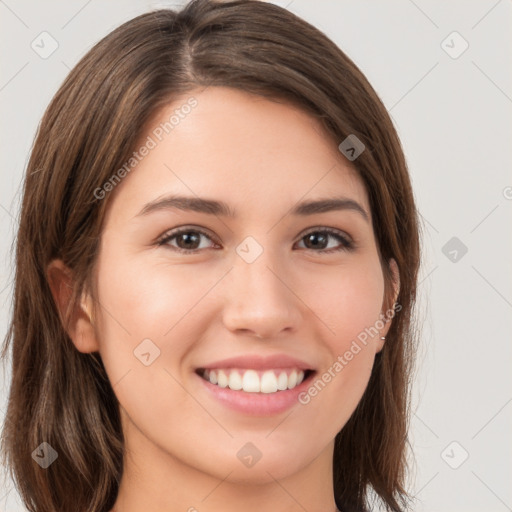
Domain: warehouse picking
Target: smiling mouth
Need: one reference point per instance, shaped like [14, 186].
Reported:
[255, 381]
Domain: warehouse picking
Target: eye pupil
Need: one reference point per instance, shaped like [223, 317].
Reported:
[189, 236]
[313, 239]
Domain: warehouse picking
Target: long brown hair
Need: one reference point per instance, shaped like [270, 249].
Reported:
[62, 396]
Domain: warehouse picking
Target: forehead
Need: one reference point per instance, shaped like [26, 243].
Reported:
[246, 150]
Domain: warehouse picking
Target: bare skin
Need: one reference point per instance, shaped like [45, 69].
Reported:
[262, 158]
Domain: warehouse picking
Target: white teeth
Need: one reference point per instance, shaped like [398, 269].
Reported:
[251, 382]
[292, 380]
[213, 377]
[282, 381]
[235, 381]
[223, 380]
[268, 382]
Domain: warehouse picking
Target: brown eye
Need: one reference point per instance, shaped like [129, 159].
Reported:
[185, 240]
[188, 240]
[319, 240]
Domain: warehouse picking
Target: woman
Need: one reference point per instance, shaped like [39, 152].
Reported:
[215, 276]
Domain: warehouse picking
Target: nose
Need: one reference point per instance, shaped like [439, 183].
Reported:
[260, 300]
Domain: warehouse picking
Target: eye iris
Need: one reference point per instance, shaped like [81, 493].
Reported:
[313, 239]
[189, 236]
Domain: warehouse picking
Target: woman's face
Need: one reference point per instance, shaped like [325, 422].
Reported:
[287, 286]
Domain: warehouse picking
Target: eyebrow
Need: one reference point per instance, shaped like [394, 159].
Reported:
[213, 207]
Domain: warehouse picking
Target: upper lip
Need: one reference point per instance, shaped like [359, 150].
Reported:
[258, 362]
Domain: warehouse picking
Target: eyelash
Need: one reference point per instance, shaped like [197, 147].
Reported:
[346, 244]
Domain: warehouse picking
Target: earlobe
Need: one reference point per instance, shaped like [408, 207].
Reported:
[78, 322]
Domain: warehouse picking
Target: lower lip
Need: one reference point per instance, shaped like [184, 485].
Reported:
[257, 404]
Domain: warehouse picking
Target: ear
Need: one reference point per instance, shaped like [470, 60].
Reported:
[387, 315]
[79, 324]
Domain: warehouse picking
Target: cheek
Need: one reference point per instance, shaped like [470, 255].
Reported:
[150, 297]
[147, 329]
[347, 300]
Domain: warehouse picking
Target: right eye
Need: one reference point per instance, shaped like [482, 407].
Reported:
[187, 240]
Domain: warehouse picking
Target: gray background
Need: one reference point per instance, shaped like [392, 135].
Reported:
[452, 113]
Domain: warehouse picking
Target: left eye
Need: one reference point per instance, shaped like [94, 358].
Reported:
[189, 240]
[313, 240]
